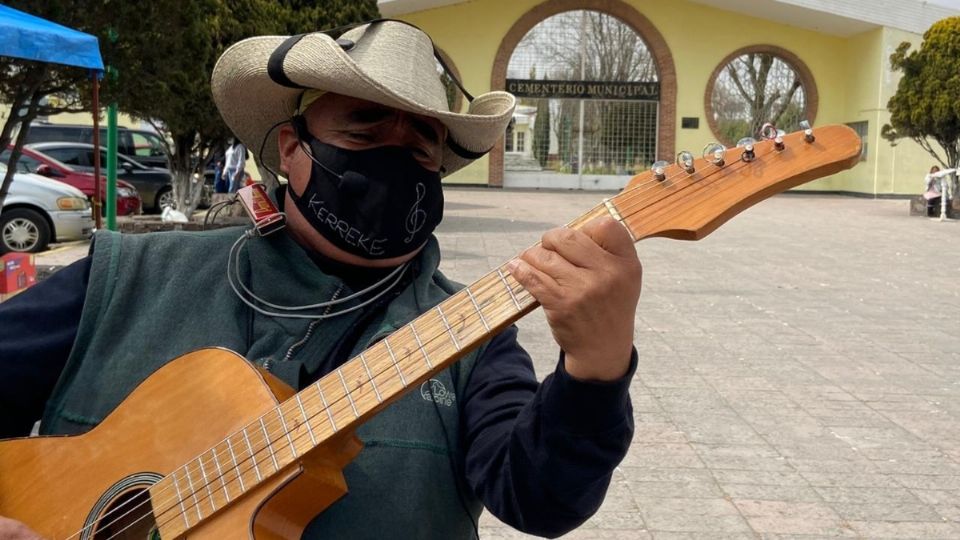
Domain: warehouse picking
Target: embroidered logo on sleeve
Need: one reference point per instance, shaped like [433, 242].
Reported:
[434, 390]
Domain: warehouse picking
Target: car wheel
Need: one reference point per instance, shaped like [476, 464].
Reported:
[164, 198]
[23, 230]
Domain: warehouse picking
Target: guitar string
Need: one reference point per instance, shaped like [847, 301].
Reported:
[463, 300]
[639, 187]
[319, 412]
[269, 443]
[264, 451]
[626, 200]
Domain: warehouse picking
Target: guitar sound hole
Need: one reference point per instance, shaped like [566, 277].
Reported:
[128, 517]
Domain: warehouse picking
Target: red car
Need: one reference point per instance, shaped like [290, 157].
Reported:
[128, 200]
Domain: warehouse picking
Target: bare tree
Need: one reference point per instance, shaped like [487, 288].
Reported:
[27, 86]
[587, 45]
[756, 88]
[606, 48]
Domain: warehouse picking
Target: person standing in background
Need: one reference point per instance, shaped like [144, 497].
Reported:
[240, 160]
[230, 163]
[936, 190]
[219, 180]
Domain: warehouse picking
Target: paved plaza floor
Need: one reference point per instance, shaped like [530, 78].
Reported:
[799, 369]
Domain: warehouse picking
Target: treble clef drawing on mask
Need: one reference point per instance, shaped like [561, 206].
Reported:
[416, 217]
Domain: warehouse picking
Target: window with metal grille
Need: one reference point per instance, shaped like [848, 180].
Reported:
[861, 129]
[584, 136]
[752, 89]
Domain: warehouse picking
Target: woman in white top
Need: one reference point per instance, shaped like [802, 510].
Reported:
[935, 187]
[233, 164]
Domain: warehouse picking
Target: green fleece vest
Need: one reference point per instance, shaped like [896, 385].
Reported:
[154, 297]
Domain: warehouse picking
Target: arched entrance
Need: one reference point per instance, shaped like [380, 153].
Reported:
[596, 97]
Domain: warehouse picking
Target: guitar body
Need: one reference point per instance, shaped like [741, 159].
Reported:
[58, 485]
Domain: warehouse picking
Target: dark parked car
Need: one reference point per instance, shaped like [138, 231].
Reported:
[144, 147]
[154, 185]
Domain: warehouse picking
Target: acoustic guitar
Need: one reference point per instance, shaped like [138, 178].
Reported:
[269, 459]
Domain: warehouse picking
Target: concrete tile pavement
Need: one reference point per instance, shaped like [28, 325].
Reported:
[799, 371]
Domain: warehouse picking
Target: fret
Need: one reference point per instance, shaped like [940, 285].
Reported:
[416, 336]
[256, 467]
[266, 440]
[476, 306]
[183, 509]
[196, 501]
[223, 482]
[347, 390]
[306, 420]
[370, 375]
[395, 364]
[283, 422]
[326, 407]
[206, 482]
[456, 343]
[509, 290]
[236, 465]
[615, 214]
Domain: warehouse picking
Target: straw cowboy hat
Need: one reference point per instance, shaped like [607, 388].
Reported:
[257, 84]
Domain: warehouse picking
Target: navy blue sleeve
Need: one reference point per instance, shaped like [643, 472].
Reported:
[37, 330]
[540, 457]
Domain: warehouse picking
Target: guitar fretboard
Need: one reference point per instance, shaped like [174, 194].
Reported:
[342, 399]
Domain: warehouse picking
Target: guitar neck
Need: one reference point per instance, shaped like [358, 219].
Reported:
[685, 205]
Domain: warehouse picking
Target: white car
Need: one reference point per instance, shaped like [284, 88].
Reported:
[38, 211]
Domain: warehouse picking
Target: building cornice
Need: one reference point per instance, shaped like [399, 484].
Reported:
[834, 17]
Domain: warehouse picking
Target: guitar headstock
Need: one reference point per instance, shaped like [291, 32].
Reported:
[686, 205]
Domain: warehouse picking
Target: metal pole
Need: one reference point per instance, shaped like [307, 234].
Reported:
[111, 166]
[97, 192]
[583, 61]
[944, 194]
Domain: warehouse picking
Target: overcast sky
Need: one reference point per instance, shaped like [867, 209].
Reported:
[955, 4]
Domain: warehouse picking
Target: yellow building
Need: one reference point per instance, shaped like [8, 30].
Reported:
[616, 84]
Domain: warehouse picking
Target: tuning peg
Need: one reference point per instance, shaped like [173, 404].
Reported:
[771, 133]
[768, 131]
[714, 153]
[807, 131]
[659, 169]
[748, 154]
[685, 161]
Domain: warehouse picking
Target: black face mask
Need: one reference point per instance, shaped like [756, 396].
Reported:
[377, 204]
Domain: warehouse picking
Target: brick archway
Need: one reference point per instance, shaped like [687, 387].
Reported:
[806, 80]
[666, 72]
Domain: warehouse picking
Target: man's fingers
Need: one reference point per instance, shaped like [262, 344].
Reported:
[543, 287]
[611, 236]
[549, 262]
[574, 246]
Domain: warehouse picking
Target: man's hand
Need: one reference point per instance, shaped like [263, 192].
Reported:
[14, 530]
[588, 283]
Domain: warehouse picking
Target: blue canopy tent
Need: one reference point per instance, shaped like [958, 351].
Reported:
[29, 37]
